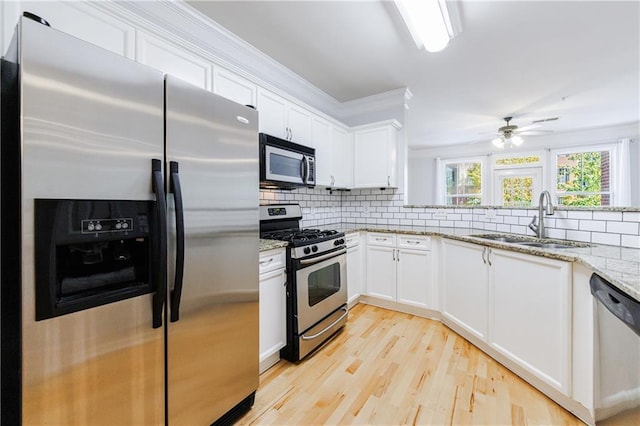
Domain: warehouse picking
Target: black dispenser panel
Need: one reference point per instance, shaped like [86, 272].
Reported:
[91, 252]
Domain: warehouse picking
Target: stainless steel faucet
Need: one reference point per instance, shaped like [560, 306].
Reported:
[539, 228]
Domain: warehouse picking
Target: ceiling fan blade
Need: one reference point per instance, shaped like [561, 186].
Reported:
[526, 128]
[535, 132]
[544, 120]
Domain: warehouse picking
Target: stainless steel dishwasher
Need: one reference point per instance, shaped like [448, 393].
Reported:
[617, 355]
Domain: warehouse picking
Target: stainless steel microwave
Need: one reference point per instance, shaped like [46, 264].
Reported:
[286, 165]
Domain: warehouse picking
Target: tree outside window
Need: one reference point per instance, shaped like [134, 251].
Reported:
[583, 178]
[463, 183]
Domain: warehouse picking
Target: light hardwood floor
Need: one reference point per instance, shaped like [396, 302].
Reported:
[390, 368]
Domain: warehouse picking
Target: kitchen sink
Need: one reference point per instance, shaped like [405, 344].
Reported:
[531, 241]
[549, 245]
[505, 238]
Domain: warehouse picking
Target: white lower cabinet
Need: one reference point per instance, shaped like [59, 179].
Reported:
[530, 314]
[518, 304]
[465, 286]
[354, 267]
[273, 299]
[399, 268]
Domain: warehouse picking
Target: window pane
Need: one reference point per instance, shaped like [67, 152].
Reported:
[463, 180]
[584, 178]
[517, 191]
[518, 160]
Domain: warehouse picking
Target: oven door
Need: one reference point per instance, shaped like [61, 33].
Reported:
[321, 287]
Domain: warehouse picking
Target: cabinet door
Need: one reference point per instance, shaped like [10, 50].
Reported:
[234, 87]
[272, 110]
[273, 332]
[299, 122]
[414, 277]
[173, 60]
[354, 273]
[375, 156]
[342, 158]
[465, 286]
[321, 134]
[381, 272]
[530, 314]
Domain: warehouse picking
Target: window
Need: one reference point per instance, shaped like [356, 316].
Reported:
[463, 182]
[583, 178]
[517, 179]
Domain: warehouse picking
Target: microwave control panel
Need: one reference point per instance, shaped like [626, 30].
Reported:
[92, 226]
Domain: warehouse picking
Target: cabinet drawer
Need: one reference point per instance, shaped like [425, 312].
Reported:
[352, 239]
[417, 242]
[272, 260]
[381, 239]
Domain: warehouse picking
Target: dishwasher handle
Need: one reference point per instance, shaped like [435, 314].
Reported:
[623, 307]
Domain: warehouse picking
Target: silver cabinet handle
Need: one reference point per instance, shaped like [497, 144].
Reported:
[489, 256]
[303, 337]
[398, 255]
[262, 262]
[388, 180]
[413, 242]
[393, 254]
[381, 239]
[484, 260]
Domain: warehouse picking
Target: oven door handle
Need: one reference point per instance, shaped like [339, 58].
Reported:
[323, 257]
[315, 336]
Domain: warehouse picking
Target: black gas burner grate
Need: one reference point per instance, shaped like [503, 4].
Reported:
[298, 236]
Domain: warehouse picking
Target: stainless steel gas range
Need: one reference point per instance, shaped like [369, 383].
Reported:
[316, 279]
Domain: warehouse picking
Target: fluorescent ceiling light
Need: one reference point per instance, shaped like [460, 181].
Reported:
[428, 22]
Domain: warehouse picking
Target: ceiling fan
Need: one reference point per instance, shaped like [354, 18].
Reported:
[509, 134]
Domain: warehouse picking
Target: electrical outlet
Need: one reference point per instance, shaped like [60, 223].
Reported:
[440, 214]
[490, 213]
[365, 208]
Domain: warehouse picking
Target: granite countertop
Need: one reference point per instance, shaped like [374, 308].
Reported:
[618, 265]
[271, 244]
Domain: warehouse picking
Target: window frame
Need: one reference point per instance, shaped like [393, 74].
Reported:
[442, 179]
[612, 148]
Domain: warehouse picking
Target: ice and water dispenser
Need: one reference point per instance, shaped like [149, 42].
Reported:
[92, 252]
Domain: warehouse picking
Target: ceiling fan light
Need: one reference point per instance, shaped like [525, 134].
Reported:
[428, 22]
[498, 142]
[516, 140]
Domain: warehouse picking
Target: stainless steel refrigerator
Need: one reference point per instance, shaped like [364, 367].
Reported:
[129, 254]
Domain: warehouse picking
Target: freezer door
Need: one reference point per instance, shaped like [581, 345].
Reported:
[212, 345]
[91, 123]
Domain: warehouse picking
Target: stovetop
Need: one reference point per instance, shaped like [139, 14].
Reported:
[300, 237]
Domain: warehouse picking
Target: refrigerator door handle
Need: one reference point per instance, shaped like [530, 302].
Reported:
[176, 190]
[161, 241]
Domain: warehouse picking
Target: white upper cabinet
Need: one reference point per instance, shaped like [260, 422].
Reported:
[234, 87]
[173, 60]
[272, 111]
[322, 141]
[77, 19]
[281, 118]
[342, 159]
[375, 155]
[299, 121]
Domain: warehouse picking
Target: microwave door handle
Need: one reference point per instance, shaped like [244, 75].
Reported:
[161, 244]
[304, 169]
[176, 189]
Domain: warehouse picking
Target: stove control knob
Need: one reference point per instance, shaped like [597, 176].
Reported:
[338, 242]
[314, 248]
[307, 250]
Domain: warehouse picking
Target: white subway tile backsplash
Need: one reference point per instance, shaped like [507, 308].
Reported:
[607, 215]
[579, 236]
[593, 225]
[623, 227]
[567, 223]
[603, 238]
[579, 215]
[631, 241]
[557, 233]
[631, 216]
